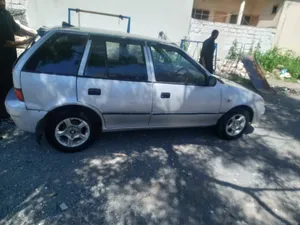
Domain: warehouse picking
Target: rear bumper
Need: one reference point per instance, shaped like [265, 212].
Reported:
[25, 119]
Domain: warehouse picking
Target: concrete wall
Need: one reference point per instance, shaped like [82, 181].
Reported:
[267, 19]
[246, 37]
[18, 9]
[288, 30]
[148, 17]
[257, 8]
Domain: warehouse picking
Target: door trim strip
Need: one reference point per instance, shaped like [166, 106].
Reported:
[85, 57]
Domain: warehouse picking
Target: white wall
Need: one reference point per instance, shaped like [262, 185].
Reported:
[148, 17]
[246, 37]
[288, 30]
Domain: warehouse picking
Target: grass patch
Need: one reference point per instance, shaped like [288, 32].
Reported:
[275, 57]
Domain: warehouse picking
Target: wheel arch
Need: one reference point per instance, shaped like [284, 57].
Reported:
[95, 115]
[247, 107]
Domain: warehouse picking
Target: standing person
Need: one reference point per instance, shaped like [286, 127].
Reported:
[8, 53]
[207, 52]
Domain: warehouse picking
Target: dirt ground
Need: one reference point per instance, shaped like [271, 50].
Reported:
[184, 176]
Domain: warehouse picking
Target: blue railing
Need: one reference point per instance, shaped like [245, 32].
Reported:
[99, 13]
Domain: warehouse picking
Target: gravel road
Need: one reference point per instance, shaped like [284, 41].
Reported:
[184, 176]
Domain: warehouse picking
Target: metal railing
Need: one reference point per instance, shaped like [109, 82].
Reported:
[196, 50]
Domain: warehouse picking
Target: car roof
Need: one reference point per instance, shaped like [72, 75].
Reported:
[113, 34]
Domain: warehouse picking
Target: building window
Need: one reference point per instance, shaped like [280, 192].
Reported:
[233, 19]
[245, 20]
[200, 14]
[275, 9]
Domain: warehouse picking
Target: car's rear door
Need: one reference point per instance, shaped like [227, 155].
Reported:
[48, 78]
[115, 81]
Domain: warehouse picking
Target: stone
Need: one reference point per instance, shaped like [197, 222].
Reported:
[276, 72]
[288, 75]
[285, 75]
[280, 67]
[53, 194]
[240, 66]
[63, 207]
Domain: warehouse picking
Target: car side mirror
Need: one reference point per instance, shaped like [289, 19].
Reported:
[211, 81]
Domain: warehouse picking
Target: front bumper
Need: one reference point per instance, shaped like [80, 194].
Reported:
[25, 119]
[259, 111]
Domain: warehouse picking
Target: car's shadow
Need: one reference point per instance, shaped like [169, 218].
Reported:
[174, 176]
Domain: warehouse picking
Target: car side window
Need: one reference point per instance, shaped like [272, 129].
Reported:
[61, 54]
[116, 60]
[126, 62]
[172, 66]
[96, 64]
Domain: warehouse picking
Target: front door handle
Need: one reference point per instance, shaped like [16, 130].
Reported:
[165, 95]
[94, 91]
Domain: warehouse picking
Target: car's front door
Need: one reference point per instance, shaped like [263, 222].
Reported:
[115, 81]
[180, 94]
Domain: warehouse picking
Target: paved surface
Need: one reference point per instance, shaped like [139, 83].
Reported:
[185, 176]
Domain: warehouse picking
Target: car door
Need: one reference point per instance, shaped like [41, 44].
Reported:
[115, 81]
[180, 94]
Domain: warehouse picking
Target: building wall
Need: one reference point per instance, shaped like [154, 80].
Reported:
[256, 8]
[247, 37]
[267, 19]
[18, 9]
[148, 17]
[288, 30]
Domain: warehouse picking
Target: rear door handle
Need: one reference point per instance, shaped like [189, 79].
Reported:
[94, 91]
[165, 95]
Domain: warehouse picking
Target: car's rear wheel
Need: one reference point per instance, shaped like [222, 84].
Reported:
[234, 123]
[70, 131]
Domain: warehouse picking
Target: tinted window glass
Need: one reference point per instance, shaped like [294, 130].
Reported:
[126, 62]
[61, 54]
[96, 65]
[116, 60]
[172, 66]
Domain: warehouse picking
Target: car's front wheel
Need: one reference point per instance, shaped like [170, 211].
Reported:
[70, 131]
[234, 123]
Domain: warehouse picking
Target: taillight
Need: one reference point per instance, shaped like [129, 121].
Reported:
[19, 94]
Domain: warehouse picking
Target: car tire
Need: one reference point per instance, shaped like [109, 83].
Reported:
[70, 131]
[234, 123]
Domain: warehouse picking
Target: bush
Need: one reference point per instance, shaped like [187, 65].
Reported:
[233, 52]
[271, 59]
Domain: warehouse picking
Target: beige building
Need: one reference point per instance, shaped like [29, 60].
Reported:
[260, 13]
[280, 14]
[288, 28]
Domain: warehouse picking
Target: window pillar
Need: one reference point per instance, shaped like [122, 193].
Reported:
[241, 12]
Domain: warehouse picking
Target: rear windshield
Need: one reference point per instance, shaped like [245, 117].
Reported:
[34, 40]
[60, 54]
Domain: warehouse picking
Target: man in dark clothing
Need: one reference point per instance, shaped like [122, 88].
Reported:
[8, 54]
[207, 52]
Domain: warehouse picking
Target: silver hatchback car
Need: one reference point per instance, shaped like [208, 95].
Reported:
[74, 82]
